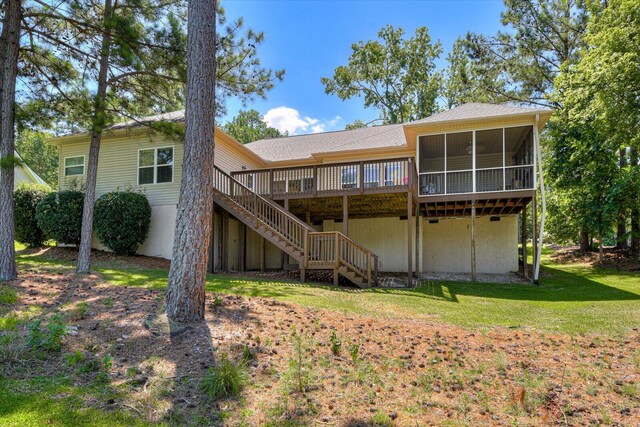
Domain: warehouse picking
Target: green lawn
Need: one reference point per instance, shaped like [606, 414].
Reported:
[571, 298]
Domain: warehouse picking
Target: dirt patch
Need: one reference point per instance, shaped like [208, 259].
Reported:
[619, 259]
[357, 370]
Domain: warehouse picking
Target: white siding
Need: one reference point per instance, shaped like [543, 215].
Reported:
[19, 177]
[385, 237]
[447, 245]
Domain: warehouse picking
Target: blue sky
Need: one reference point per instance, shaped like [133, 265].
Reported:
[309, 39]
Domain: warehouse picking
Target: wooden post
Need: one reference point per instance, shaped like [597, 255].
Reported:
[336, 256]
[271, 183]
[212, 239]
[308, 218]
[263, 251]
[525, 269]
[305, 261]
[224, 238]
[534, 220]
[474, 274]
[418, 250]
[285, 256]
[242, 244]
[345, 215]
[410, 232]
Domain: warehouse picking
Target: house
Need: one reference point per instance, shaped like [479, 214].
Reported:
[24, 174]
[442, 194]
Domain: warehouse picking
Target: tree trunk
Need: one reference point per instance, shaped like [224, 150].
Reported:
[600, 249]
[97, 125]
[621, 235]
[585, 245]
[10, 45]
[187, 275]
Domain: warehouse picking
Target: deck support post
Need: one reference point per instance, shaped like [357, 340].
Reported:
[305, 261]
[525, 268]
[211, 263]
[263, 251]
[284, 259]
[474, 273]
[224, 240]
[345, 215]
[534, 220]
[410, 232]
[242, 244]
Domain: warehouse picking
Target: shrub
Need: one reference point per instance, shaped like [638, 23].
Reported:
[49, 339]
[59, 216]
[26, 199]
[225, 380]
[121, 221]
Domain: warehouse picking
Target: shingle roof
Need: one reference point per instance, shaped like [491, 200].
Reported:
[174, 116]
[305, 146]
[476, 110]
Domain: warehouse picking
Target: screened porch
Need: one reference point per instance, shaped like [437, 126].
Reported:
[478, 161]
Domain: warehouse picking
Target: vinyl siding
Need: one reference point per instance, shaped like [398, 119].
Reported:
[118, 166]
[20, 176]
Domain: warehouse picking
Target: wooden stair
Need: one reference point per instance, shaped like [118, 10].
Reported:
[311, 249]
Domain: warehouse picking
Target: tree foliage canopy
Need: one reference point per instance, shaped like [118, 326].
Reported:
[248, 126]
[520, 63]
[394, 74]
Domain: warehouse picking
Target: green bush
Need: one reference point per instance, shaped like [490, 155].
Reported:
[121, 221]
[59, 216]
[26, 199]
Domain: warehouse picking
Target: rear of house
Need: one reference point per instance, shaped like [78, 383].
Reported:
[443, 194]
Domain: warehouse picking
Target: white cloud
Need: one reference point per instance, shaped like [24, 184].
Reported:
[287, 119]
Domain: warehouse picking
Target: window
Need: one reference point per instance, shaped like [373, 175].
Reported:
[304, 185]
[350, 176]
[155, 165]
[74, 166]
[393, 175]
[371, 175]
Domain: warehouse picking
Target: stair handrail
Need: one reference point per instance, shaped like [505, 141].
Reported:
[264, 199]
[368, 270]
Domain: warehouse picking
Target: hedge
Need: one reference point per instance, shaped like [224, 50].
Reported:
[121, 221]
[59, 216]
[26, 199]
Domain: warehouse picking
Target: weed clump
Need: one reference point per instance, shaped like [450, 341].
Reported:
[47, 339]
[227, 379]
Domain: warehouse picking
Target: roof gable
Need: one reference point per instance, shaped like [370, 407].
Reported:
[477, 110]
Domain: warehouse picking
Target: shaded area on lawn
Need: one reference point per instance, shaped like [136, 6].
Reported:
[572, 298]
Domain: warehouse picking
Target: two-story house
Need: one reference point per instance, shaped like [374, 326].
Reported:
[442, 194]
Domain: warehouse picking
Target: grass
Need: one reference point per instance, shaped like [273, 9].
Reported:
[572, 298]
[54, 401]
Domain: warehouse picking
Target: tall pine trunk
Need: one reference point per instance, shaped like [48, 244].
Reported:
[97, 126]
[188, 272]
[9, 47]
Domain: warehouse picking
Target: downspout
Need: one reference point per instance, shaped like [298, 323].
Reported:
[536, 273]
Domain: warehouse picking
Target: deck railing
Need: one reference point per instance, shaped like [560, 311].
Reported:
[329, 250]
[372, 176]
[262, 210]
[507, 178]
